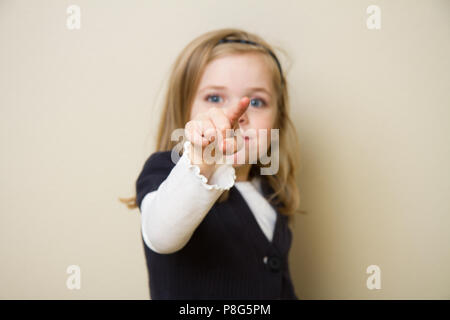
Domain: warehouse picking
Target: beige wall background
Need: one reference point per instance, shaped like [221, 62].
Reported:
[79, 110]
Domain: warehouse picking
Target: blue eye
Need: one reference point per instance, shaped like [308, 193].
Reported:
[214, 96]
[257, 106]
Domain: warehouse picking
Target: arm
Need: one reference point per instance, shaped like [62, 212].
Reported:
[171, 214]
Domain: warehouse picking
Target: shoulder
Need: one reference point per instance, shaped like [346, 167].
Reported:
[154, 171]
[269, 192]
[161, 160]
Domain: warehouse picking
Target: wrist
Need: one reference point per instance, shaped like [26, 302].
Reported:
[196, 157]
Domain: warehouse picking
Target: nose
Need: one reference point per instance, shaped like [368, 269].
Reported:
[243, 119]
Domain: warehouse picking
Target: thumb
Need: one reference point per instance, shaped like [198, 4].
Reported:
[234, 113]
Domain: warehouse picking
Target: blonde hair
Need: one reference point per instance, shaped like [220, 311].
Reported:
[183, 83]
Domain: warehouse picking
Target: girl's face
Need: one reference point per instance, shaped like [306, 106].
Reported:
[226, 80]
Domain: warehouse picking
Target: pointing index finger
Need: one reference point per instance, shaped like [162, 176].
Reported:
[236, 112]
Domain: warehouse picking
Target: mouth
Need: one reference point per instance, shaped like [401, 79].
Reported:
[247, 135]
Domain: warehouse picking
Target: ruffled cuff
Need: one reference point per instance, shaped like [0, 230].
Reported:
[223, 177]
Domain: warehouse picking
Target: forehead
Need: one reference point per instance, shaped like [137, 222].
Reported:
[238, 72]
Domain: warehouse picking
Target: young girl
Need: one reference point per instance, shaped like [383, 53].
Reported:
[220, 230]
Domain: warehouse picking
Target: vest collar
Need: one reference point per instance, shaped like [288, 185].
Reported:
[250, 224]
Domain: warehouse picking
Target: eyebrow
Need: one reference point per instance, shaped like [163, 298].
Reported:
[224, 88]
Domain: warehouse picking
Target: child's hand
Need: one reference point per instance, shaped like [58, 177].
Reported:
[211, 126]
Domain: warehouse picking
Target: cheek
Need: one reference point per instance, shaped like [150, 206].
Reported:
[196, 109]
[264, 121]
[263, 124]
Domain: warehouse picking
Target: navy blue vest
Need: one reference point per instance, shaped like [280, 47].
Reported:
[228, 255]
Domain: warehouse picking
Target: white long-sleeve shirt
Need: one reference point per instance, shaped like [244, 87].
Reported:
[170, 214]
